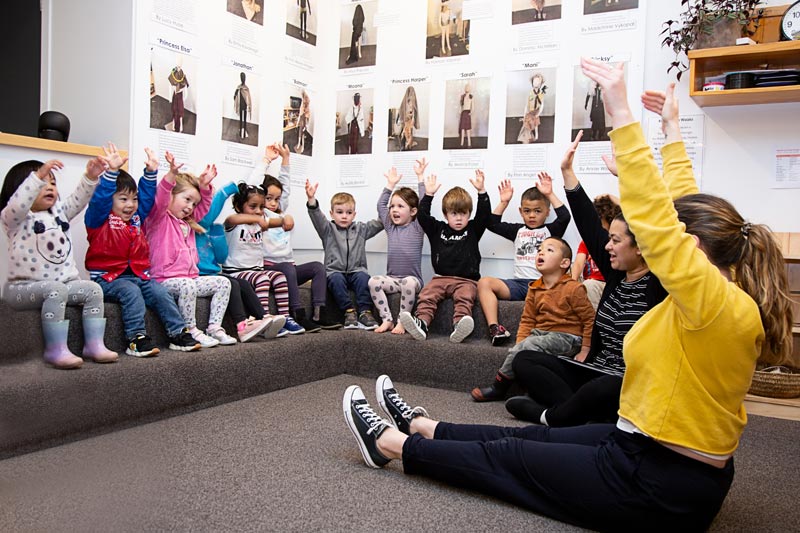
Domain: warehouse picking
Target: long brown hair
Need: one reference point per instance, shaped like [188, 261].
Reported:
[756, 263]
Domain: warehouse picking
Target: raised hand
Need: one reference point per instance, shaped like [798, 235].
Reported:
[54, 164]
[506, 191]
[419, 167]
[174, 167]
[569, 155]
[112, 157]
[612, 83]
[94, 167]
[545, 184]
[208, 176]
[611, 161]
[664, 104]
[151, 163]
[431, 186]
[284, 151]
[392, 178]
[478, 181]
[311, 190]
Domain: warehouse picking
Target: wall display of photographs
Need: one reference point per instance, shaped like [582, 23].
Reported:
[466, 113]
[301, 20]
[173, 92]
[252, 10]
[241, 92]
[592, 7]
[409, 116]
[588, 111]
[530, 105]
[527, 11]
[355, 113]
[298, 119]
[447, 33]
[358, 37]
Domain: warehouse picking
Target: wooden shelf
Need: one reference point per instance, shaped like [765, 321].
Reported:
[710, 62]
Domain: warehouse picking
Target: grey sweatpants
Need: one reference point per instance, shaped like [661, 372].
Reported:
[54, 296]
[550, 342]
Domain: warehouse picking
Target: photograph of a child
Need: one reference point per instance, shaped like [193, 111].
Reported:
[466, 113]
[354, 119]
[588, 111]
[173, 98]
[298, 120]
[240, 91]
[447, 32]
[530, 106]
[591, 7]
[252, 10]
[527, 11]
[408, 117]
[357, 35]
[301, 20]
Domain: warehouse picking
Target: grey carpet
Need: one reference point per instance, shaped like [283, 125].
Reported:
[286, 461]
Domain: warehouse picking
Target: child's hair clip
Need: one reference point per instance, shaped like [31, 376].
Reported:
[38, 227]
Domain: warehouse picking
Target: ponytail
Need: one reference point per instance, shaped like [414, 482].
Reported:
[761, 273]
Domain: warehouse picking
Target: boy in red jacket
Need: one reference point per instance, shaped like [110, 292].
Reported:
[118, 258]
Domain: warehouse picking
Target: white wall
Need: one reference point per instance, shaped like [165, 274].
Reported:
[86, 67]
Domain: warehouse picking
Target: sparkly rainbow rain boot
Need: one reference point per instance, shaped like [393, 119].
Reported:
[93, 346]
[56, 352]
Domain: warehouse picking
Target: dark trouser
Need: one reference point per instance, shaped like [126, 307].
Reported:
[593, 476]
[297, 275]
[572, 395]
[177, 111]
[353, 136]
[244, 301]
[340, 284]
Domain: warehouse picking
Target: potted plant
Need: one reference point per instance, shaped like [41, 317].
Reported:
[709, 23]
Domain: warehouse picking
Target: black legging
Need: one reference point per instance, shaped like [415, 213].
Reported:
[244, 301]
[571, 394]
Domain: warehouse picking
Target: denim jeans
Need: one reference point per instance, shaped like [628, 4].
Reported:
[340, 284]
[133, 293]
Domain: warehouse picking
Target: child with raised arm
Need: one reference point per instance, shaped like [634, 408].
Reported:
[528, 237]
[404, 236]
[455, 256]
[118, 258]
[584, 268]
[41, 267]
[344, 242]
[170, 229]
[557, 319]
[278, 254]
[244, 305]
[244, 235]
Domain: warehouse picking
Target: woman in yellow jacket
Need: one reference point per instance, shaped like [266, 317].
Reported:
[667, 463]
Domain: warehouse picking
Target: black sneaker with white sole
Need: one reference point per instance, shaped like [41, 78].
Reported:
[415, 327]
[183, 342]
[365, 424]
[142, 345]
[398, 411]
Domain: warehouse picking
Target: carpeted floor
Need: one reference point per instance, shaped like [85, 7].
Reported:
[286, 461]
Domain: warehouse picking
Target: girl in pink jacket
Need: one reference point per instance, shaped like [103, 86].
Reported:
[181, 199]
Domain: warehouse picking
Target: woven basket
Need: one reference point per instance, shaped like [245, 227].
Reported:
[776, 382]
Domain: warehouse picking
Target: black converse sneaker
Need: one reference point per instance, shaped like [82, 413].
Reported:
[365, 424]
[413, 325]
[399, 412]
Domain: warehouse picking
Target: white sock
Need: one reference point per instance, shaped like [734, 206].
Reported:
[542, 418]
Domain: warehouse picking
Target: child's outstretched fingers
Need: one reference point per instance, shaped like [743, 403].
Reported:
[174, 167]
[95, 167]
[431, 186]
[208, 175]
[479, 180]
[545, 184]
[419, 166]
[392, 177]
[151, 162]
[569, 155]
[506, 190]
[311, 189]
[542, 176]
[49, 166]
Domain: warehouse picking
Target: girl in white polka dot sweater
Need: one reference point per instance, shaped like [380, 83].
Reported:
[41, 271]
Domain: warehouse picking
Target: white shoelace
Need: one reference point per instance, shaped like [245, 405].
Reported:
[373, 420]
[406, 410]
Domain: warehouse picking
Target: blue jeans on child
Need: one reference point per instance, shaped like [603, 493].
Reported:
[133, 293]
[340, 284]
